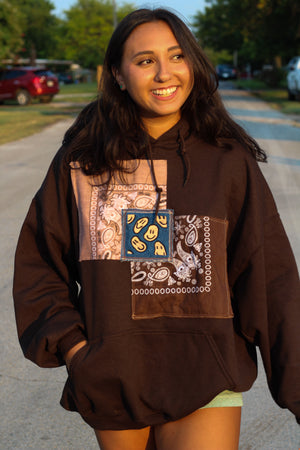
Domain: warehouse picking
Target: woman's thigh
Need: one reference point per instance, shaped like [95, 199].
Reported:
[142, 439]
[205, 429]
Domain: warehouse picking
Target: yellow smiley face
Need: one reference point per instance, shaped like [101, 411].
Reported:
[152, 233]
[159, 249]
[162, 221]
[138, 245]
[141, 223]
[130, 218]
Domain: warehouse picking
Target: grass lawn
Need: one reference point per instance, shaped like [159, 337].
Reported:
[17, 121]
[277, 98]
[81, 88]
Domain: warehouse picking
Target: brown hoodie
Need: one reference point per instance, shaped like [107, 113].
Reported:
[173, 305]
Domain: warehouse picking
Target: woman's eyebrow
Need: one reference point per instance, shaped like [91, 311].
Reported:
[151, 52]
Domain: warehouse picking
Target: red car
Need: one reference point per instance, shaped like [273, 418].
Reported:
[25, 83]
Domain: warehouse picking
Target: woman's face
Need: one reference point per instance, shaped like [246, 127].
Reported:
[156, 75]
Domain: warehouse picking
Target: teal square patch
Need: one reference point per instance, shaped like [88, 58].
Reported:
[146, 236]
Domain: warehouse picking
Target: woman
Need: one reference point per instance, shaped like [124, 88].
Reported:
[153, 260]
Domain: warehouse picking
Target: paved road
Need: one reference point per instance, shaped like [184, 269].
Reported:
[30, 415]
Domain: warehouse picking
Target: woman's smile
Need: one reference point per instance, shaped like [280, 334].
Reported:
[165, 93]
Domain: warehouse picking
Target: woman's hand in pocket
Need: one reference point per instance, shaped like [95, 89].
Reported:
[69, 355]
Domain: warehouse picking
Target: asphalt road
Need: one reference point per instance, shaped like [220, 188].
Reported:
[30, 414]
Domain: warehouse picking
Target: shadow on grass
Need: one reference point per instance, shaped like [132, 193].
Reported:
[72, 112]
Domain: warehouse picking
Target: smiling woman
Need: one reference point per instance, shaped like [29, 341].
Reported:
[153, 261]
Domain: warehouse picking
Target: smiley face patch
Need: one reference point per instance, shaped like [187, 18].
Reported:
[146, 236]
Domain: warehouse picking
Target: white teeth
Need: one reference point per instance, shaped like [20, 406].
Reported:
[164, 92]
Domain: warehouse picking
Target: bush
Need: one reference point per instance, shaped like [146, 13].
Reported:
[272, 76]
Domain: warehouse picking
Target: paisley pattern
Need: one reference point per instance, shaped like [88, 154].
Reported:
[189, 279]
[100, 206]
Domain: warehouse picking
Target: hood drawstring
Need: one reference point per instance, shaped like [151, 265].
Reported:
[185, 160]
[157, 188]
[181, 151]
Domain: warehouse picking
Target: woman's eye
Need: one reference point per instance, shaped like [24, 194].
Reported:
[178, 57]
[145, 62]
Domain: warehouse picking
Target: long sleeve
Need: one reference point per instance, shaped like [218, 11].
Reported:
[45, 280]
[265, 285]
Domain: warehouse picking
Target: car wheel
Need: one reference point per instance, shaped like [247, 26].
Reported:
[46, 99]
[23, 97]
[291, 96]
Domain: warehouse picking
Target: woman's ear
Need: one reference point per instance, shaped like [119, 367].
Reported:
[119, 79]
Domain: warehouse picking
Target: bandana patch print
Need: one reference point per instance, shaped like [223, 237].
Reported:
[194, 283]
[100, 207]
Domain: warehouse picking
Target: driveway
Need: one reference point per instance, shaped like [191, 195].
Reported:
[30, 415]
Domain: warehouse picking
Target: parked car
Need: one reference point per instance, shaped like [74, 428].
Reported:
[293, 78]
[25, 83]
[226, 72]
[65, 78]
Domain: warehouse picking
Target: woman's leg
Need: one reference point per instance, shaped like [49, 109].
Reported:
[126, 439]
[205, 429]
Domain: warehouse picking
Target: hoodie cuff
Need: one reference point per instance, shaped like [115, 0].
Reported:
[70, 340]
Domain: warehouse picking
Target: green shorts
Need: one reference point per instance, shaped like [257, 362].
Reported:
[225, 398]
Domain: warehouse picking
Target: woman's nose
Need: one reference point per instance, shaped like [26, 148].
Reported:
[163, 72]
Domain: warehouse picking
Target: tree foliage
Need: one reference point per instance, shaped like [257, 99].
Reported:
[87, 29]
[259, 30]
[30, 29]
[11, 41]
[39, 26]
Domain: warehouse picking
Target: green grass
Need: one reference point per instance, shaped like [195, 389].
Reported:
[277, 98]
[74, 98]
[17, 121]
[81, 88]
[250, 84]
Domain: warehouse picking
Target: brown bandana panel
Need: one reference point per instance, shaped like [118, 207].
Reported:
[194, 283]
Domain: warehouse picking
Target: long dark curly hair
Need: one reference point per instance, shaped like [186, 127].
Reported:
[110, 129]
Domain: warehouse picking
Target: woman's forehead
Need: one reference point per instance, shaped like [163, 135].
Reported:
[150, 36]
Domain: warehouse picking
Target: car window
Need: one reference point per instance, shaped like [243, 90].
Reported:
[11, 74]
[43, 73]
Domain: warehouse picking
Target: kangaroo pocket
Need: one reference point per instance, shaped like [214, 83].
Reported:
[135, 380]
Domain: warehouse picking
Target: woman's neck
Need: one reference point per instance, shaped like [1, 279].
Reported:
[157, 126]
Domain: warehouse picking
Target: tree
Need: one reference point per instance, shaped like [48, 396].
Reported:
[39, 27]
[260, 30]
[11, 41]
[87, 30]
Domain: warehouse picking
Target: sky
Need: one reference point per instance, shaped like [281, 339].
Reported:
[185, 8]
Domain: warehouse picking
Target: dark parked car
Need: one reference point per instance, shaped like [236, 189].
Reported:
[25, 83]
[226, 72]
[65, 78]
